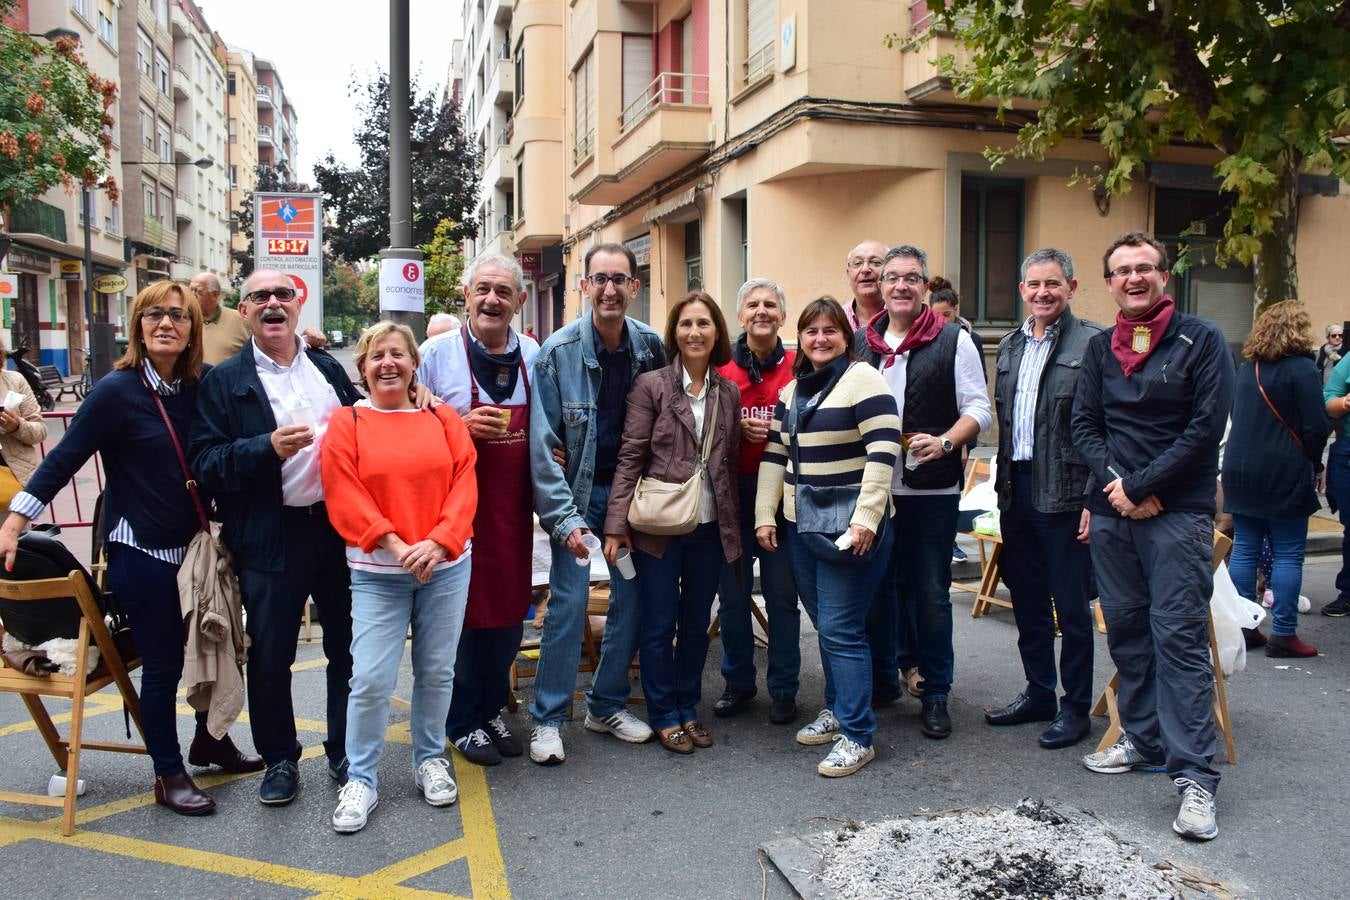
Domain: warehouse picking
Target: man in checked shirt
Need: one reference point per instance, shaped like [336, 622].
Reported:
[1042, 485]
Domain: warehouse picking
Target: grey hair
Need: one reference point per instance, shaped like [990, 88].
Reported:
[1049, 255]
[501, 262]
[908, 251]
[1331, 326]
[755, 284]
[212, 277]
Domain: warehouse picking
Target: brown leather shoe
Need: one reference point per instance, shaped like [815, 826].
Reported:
[180, 794]
[224, 754]
[675, 739]
[699, 734]
[913, 681]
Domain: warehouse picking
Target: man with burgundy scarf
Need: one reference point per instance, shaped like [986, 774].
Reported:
[1150, 409]
[938, 381]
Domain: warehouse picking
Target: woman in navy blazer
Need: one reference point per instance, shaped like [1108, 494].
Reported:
[148, 518]
[1274, 447]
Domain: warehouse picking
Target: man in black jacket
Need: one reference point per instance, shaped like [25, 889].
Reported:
[1149, 412]
[1042, 486]
[261, 416]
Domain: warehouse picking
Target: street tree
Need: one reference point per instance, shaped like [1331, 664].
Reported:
[56, 116]
[1262, 81]
[443, 267]
[350, 300]
[445, 174]
[269, 179]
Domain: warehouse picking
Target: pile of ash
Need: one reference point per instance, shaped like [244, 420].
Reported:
[995, 854]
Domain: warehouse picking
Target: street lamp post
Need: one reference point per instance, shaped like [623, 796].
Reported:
[400, 160]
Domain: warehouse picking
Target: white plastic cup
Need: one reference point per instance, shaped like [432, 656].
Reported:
[302, 415]
[592, 544]
[56, 787]
[623, 561]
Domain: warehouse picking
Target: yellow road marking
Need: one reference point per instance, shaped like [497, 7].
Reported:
[479, 844]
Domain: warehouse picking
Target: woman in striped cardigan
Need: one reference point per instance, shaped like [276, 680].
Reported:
[848, 435]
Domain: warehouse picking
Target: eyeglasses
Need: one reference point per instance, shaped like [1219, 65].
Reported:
[913, 279]
[858, 262]
[503, 291]
[284, 294]
[156, 315]
[1143, 269]
[600, 279]
[1335, 335]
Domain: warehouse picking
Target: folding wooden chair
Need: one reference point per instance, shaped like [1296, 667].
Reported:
[112, 669]
[986, 592]
[1107, 703]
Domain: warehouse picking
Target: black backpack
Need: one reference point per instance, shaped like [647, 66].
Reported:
[34, 622]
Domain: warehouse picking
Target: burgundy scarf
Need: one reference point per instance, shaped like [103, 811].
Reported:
[1134, 339]
[922, 332]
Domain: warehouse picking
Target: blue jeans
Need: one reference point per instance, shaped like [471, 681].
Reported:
[925, 526]
[560, 644]
[837, 598]
[1338, 487]
[383, 605]
[1288, 538]
[677, 595]
[891, 645]
[780, 601]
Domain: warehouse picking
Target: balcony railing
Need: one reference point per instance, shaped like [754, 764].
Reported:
[583, 148]
[504, 136]
[265, 92]
[182, 132]
[759, 63]
[676, 88]
[36, 217]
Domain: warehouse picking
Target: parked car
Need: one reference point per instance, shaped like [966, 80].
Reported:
[336, 340]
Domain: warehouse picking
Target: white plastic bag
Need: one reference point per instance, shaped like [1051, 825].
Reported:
[982, 495]
[987, 523]
[1232, 612]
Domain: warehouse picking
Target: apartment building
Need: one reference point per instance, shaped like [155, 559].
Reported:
[48, 233]
[146, 121]
[765, 138]
[510, 77]
[276, 120]
[241, 144]
[201, 190]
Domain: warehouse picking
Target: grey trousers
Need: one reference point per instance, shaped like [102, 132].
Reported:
[1155, 579]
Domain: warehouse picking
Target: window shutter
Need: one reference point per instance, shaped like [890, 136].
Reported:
[638, 69]
[761, 29]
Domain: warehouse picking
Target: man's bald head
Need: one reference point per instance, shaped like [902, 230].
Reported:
[205, 286]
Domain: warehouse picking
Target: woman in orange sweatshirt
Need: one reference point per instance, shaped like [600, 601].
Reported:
[401, 491]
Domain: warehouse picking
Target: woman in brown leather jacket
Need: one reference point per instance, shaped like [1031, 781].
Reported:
[675, 414]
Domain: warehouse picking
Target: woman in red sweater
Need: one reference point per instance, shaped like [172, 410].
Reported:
[401, 491]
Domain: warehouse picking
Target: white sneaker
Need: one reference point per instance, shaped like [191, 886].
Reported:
[433, 777]
[355, 801]
[820, 730]
[623, 725]
[1196, 818]
[846, 758]
[546, 746]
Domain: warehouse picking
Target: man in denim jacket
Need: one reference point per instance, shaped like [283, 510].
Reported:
[581, 378]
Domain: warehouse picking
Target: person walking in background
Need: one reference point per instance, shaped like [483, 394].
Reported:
[22, 427]
[1042, 487]
[760, 367]
[1273, 451]
[148, 518]
[1330, 353]
[403, 495]
[1148, 414]
[1336, 397]
[581, 380]
[834, 427]
[681, 419]
[483, 373]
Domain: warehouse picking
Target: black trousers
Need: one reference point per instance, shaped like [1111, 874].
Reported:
[482, 677]
[316, 565]
[1049, 572]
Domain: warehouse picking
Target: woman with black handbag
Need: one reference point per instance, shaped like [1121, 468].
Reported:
[674, 503]
[149, 518]
[830, 458]
[1275, 444]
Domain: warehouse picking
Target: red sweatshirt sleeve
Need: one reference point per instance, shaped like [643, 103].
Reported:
[454, 527]
[352, 510]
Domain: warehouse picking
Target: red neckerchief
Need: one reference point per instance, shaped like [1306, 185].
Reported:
[922, 332]
[1134, 339]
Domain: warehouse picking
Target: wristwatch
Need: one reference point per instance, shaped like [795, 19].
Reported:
[947, 445]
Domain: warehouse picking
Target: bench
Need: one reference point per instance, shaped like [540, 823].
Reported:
[53, 379]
